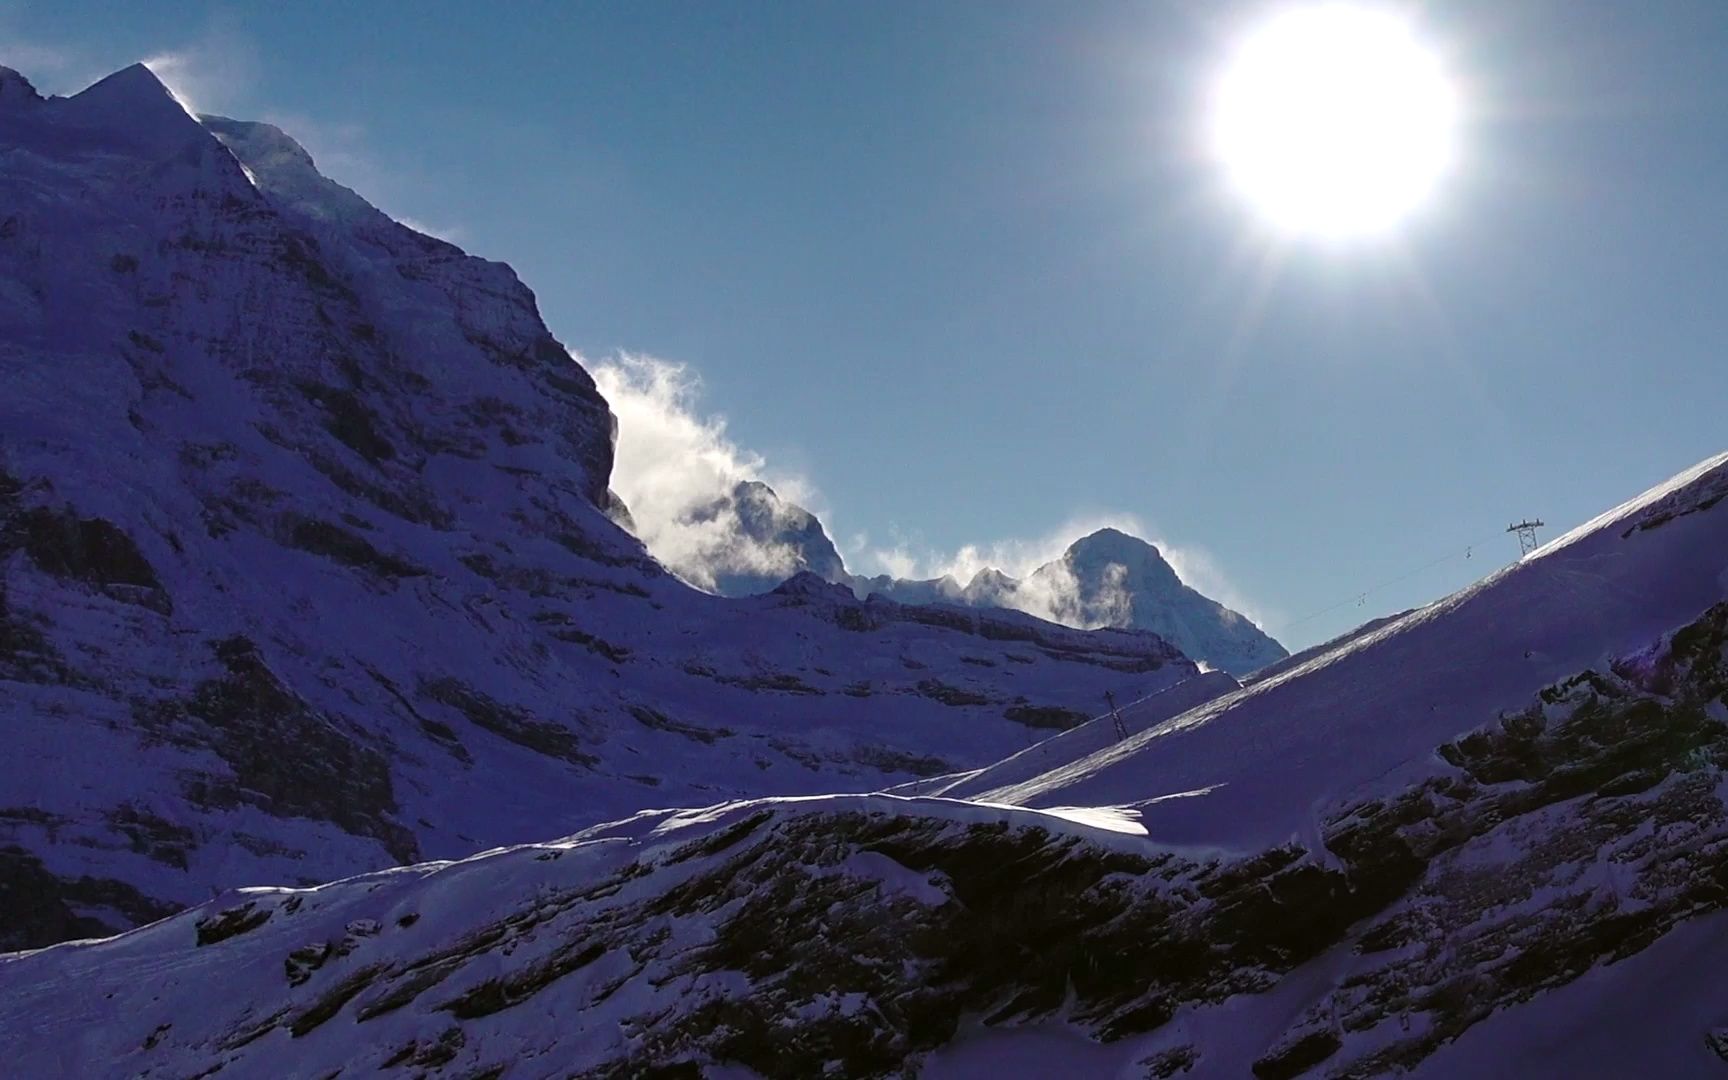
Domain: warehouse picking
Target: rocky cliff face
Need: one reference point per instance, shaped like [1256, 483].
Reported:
[306, 563]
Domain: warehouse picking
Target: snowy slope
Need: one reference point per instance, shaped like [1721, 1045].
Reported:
[1540, 892]
[304, 519]
[1369, 713]
[1081, 741]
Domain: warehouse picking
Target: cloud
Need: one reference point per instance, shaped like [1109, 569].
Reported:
[677, 467]
[450, 234]
[1199, 569]
[676, 470]
[1016, 557]
[220, 72]
[1054, 594]
[214, 74]
[1042, 585]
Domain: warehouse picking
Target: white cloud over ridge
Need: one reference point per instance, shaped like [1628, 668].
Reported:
[213, 74]
[673, 459]
[1016, 557]
[219, 72]
[676, 469]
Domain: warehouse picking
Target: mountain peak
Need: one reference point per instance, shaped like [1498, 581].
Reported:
[135, 82]
[763, 539]
[1114, 544]
[15, 89]
[1091, 557]
[134, 106]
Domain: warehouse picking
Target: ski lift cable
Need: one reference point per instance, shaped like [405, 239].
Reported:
[1467, 551]
[1359, 598]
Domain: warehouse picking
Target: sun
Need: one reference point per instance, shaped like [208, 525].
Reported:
[1334, 120]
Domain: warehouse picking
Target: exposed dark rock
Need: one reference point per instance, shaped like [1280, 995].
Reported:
[26, 654]
[1298, 1057]
[42, 908]
[1717, 1040]
[659, 721]
[350, 549]
[233, 922]
[287, 758]
[154, 836]
[1173, 1062]
[508, 721]
[88, 550]
[332, 1001]
[353, 422]
[444, 734]
[302, 962]
[936, 690]
[897, 761]
[564, 629]
[1046, 716]
[778, 682]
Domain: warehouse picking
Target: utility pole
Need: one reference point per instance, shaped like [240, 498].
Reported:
[1116, 717]
[1526, 531]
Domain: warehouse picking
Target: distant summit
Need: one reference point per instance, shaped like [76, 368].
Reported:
[1107, 579]
[781, 538]
[1122, 581]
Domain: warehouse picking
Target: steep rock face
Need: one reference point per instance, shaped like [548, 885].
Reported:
[306, 566]
[862, 935]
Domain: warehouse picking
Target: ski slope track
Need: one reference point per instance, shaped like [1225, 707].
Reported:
[308, 564]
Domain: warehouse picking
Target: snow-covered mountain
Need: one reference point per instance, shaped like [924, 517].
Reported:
[782, 538]
[1107, 579]
[308, 564]
[1485, 839]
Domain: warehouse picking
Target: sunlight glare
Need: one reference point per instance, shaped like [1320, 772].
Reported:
[1334, 120]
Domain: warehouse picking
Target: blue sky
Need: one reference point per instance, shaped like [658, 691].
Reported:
[961, 267]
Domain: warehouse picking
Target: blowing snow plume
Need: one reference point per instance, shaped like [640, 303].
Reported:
[698, 499]
[700, 507]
